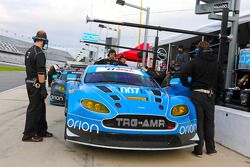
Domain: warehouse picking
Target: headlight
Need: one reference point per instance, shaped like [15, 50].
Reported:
[179, 110]
[61, 88]
[94, 106]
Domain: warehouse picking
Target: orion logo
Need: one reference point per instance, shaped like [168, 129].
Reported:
[85, 126]
[188, 129]
[58, 98]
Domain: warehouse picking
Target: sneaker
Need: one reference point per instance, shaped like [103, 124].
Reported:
[33, 139]
[211, 152]
[197, 154]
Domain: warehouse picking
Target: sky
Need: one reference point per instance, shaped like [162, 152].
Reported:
[65, 20]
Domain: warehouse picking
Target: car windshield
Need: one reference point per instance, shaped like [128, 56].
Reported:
[63, 76]
[120, 78]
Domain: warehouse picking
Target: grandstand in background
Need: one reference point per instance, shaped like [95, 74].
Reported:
[13, 50]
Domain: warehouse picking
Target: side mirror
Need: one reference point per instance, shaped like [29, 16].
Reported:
[72, 77]
[175, 81]
[54, 76]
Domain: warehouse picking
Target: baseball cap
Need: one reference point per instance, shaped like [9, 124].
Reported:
[180, 46]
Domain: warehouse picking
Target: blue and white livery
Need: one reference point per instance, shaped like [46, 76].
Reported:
[124, 108]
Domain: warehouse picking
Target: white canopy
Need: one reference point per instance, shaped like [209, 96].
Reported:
[211, 27]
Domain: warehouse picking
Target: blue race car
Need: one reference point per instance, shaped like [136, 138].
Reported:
[58, 87]
[124, 108]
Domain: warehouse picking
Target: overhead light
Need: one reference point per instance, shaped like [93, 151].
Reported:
[120, 2]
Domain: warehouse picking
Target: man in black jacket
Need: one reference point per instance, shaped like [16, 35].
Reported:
[110, 60]
[207, 81]
[122, 61]
[35, 62]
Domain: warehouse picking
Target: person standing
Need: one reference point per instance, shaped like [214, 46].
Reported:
[182, 58]
[52, 71]
[122, 61]
[153, 73]
[173, 72]
[207, 82]
[110, 60]
[35, 62]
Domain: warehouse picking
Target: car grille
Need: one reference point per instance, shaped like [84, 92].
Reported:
[143, 122]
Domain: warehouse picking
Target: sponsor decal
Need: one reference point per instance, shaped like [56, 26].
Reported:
[146, 123]
[188, 129]
[129, 90]
[162, 54]
[221, 5]
[57, 98]
[82, 125]
[76, 72]
[90, 37]
[126, 70]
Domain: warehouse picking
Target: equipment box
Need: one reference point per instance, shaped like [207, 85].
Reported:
[245, 98]
[232, 96]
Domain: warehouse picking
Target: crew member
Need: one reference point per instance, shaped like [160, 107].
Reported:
[110, 60]
[122, 61]
[207, 81]
[35, 61]
[153, 73]
[174, 72]
[52, 71]
[182, 58]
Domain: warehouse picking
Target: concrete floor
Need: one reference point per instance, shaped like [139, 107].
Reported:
[55, 152]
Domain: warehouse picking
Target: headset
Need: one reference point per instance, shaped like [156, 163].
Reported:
[200, 49]
[197, 51]
[45, 40]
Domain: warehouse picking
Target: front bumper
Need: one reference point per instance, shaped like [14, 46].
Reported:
[130, 141]
[92, 133]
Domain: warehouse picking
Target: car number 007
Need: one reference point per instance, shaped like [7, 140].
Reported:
[130, 90]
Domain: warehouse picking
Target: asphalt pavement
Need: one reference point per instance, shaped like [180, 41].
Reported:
[11, 79]
[56, 152]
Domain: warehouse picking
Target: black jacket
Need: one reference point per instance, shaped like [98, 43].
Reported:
[107, 61]
[35, 62]
[206, 73]
[121, 64]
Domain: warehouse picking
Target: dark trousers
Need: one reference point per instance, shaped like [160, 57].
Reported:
[36, 123]
[204, 106]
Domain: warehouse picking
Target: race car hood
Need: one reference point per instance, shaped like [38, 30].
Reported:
[133, 99]
[56, 84]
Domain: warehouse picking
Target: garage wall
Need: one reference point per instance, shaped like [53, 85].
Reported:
[232, 129]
